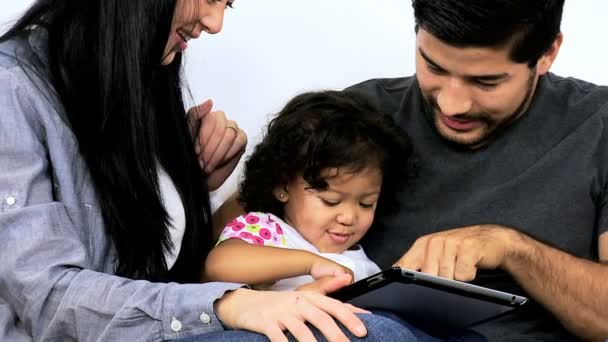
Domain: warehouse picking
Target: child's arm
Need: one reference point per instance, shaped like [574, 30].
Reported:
[235, 260]
[230, 209]
[249, 253]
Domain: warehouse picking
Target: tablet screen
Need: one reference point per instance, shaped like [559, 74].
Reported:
[427, 301]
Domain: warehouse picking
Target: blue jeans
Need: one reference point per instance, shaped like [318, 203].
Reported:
[423, 336]
[379, 328]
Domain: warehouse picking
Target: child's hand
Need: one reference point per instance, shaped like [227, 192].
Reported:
[322, 267]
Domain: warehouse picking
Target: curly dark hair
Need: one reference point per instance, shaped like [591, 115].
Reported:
[320, 130]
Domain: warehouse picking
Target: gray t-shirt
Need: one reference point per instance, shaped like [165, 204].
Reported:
[545, 175]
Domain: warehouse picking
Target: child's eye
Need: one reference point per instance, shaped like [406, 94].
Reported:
[367, 205]
[330, 203]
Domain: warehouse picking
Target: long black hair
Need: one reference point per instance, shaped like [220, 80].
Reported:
[327, 129]
[127, 114]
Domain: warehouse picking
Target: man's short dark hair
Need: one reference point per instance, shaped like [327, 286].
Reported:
[529, 27]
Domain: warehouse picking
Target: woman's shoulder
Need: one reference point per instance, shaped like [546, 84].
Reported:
[24, 62]
[25, 92]
[20, 51]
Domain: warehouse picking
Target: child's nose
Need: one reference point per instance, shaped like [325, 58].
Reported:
[347, 216]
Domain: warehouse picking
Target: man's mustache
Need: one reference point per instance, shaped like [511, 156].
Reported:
[434, 107]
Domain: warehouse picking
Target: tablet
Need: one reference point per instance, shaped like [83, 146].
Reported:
[428, 301]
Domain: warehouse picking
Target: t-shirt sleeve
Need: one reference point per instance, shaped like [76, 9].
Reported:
[254, 228]
[387, 93]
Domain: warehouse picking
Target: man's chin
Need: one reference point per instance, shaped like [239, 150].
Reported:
[472, 139]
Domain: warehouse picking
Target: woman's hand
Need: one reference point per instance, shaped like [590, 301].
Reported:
[219, 143]
[272, 313]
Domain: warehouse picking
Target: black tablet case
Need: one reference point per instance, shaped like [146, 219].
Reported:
[428, 302]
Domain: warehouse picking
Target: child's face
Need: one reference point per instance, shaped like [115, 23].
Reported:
[336, 218]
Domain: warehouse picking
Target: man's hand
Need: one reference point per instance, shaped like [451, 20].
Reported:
[219, 143]
[458, 253]
[571, 288]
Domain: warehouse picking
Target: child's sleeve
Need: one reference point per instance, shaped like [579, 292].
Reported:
[256, 229]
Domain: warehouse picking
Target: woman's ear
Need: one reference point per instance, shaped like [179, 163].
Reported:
[280, 193]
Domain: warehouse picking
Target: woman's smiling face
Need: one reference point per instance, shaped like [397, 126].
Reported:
[192, 17]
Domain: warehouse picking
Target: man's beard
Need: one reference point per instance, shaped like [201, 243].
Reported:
[491, 126]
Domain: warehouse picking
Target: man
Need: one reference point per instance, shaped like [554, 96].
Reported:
[512, 185]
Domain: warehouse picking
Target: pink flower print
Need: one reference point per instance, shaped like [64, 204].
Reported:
[279, 229]
[258, 240]
[254, 228]
[252, 219]
[265, 220]
[265, 233]
[246, 236]
[236, 225]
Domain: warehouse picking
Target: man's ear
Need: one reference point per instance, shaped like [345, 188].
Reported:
[546, 60]
[281, 194]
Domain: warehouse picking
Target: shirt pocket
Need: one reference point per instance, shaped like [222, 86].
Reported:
[10, 200]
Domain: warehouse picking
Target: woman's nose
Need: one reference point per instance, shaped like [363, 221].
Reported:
[213, 20]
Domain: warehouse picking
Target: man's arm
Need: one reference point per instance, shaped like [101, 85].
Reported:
[575, 290]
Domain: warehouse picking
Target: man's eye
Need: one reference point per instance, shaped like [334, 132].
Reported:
[435, 69]
[485, 84]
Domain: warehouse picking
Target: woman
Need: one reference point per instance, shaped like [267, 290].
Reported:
[104, 214]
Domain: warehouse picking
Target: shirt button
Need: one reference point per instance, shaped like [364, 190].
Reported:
[176, 325]
[206, 319]
[11, 200]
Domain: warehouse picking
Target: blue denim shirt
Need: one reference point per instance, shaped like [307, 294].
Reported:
[56, 260]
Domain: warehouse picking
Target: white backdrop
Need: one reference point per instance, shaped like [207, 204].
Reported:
[271, 50]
